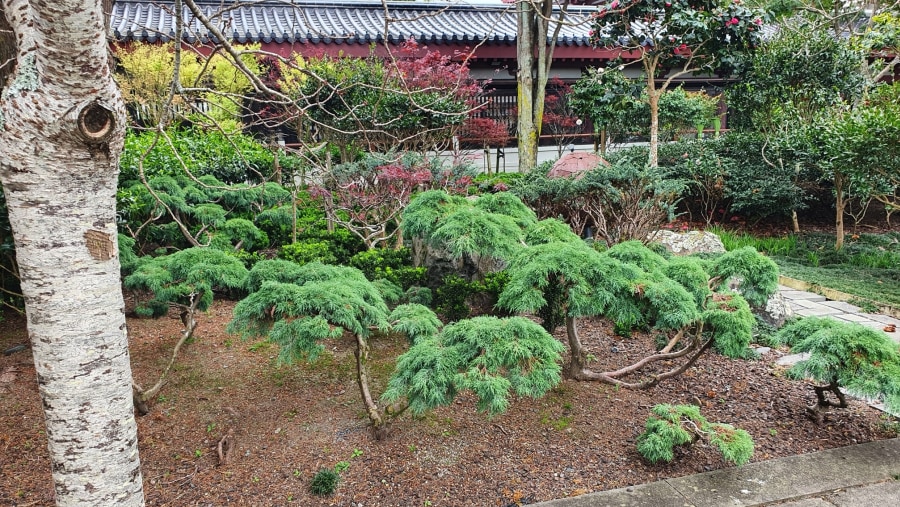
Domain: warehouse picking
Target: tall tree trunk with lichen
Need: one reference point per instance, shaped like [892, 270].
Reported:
[62, 124]
[534, 55]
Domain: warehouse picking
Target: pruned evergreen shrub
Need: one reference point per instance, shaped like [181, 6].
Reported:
[670, 426]
[844, 357]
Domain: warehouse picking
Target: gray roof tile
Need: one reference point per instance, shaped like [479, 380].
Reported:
[352, 22]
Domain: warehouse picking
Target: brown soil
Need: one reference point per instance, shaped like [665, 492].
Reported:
[288, 422]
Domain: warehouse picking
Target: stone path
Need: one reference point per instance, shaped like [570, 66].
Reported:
[808, 304]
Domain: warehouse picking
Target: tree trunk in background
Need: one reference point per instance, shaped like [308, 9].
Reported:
[527, 132]
[534, 54]
[62, 125]
[839, 205]
[653, 97]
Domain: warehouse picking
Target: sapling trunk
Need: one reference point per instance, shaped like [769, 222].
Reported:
[142, 397]
[817, 412]
[577, 356]
[379, 428]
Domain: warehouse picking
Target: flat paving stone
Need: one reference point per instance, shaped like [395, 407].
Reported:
[794, 477]
[645, 495]
[805, 303]
[884, 319]
[867, 496]
[821, 311]
[842, 306]
[859, 473]
[806, 502]
[792, 359]
[802, 295]
[852, 317]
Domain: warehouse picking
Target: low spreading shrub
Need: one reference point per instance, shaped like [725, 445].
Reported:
[671, 426]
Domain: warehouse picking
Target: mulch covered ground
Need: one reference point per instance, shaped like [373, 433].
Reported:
[288, 422]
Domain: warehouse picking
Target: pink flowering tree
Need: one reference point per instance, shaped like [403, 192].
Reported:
[673, 38]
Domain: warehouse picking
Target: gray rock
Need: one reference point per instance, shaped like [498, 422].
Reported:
[688, 243]
[777, 311]
[438, 263]
[792, 359]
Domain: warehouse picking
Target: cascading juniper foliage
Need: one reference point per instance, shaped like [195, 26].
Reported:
[630, 285]
[844, 357]
[300, 307]
[554, 274]
[670, 426]
[184, 280]
[486, 355]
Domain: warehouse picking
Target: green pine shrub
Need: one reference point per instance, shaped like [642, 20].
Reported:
[299, 308]
[636, 288]
[844, 357]
[670, 426]
[308, 250]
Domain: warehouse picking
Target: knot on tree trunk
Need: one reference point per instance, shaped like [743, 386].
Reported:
[96, 123]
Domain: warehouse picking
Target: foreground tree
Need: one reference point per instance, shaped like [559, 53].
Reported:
[184, 281]
[62, 122]
[636, 288]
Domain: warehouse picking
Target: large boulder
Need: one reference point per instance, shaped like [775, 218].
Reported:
[438, 263]
[688, 243]
[574, 165]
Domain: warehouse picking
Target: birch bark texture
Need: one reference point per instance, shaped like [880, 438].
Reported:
[62, 124]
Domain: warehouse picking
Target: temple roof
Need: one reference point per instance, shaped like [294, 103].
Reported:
[360, 22]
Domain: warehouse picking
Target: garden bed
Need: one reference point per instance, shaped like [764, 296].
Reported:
[289, 422]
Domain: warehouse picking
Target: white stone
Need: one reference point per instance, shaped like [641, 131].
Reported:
[688, 243]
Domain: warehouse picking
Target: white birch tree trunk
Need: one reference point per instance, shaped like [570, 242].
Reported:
[61, 129]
